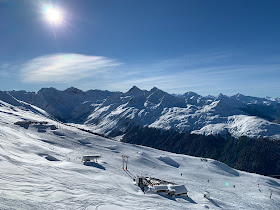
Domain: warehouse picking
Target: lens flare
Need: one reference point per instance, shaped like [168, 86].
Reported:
[53, 15]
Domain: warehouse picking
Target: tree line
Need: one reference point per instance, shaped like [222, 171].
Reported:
[258, 155]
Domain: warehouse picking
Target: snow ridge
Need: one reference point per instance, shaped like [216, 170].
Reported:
[111, 113]
[41, 168]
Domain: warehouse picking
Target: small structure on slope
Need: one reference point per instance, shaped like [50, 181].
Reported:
[29, 122]
[40, 125]
[154, 185]
[90, 158]
[171, 190]
[206, 194]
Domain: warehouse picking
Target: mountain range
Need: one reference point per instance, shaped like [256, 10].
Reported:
[240, 131]
[113, 113]
[42, 168]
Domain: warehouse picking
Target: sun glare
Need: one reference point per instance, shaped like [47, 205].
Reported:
[53, 15]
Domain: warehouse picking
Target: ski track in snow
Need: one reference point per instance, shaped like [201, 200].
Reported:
[30, 181]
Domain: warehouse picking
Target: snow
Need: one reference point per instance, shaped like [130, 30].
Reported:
[107, 112]
[157, 188]
[108, 207]
[243, 125]
[31, 180]
[169, 161]
[178, 189]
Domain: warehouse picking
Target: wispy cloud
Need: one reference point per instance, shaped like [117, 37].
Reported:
[7, 70]
[4, 73]
[65, 68]
[205, 73]
[211, 73]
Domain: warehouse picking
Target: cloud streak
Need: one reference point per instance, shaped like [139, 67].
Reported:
[64, 68]
[207, 73]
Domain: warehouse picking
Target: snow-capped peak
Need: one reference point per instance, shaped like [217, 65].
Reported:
[110, 111]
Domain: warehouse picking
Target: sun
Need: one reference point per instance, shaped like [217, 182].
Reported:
[53, 15]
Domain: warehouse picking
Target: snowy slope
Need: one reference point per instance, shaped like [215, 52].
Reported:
[71, 104]
[195, 114]
[111, 113]
[30, 180]
[242, 125]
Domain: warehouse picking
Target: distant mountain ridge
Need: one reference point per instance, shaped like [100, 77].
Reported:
[112, 113]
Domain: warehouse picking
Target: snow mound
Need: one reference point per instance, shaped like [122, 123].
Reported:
[223, 169]
[273, 183]
[93, 164]
[113, 147]
[169, 161]
[48, 157]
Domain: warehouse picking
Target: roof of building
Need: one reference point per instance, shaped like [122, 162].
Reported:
[160, 187]
[92, 156]
[178, 189]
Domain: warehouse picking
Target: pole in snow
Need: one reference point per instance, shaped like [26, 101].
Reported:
[271, 190]
[124, 161]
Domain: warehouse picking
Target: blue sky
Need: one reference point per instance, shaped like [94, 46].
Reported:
[208, 47]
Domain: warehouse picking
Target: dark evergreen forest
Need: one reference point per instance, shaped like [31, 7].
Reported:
[259, 155]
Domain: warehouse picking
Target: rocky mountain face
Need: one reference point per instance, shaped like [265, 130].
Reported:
[241, 131]
[70, 105]
[112, 113]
